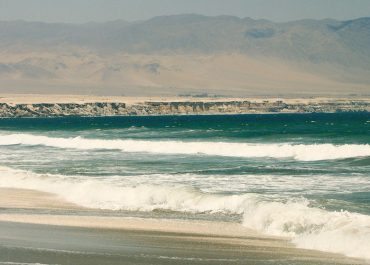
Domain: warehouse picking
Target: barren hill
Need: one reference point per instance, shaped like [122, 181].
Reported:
[187, 54]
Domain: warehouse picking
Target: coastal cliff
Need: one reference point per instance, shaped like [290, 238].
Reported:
[178, 108]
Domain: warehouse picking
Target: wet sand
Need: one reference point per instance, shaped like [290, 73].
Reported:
[46, 244]
[78, 239]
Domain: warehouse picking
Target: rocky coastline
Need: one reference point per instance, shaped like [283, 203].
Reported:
[179, 108]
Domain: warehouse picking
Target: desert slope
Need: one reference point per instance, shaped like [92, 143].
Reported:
[187, 54]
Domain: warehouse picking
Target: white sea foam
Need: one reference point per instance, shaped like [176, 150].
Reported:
[303, 152]
[312, 228]
[104, 194]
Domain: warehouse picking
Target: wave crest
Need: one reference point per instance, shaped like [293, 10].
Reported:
[105, 194]
[303, 152]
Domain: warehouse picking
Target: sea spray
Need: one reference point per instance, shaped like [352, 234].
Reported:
[313, 228]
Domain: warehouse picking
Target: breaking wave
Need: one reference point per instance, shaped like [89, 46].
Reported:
[111, 195]
[312, 228]
[303, 152]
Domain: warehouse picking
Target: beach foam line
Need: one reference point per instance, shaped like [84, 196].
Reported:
[104, 194]
[303, 152]
[200, 227]
[312, 228]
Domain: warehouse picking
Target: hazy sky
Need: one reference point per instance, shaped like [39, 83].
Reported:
[103, 10]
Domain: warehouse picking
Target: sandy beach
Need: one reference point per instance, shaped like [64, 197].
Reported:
[75, 238]
[80, 99]
[184, 132]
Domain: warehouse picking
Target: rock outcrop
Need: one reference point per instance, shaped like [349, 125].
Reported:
[177, 108]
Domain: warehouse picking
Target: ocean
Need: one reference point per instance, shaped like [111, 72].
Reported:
[302, 176]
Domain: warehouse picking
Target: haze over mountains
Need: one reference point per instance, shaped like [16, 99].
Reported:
[187, 54]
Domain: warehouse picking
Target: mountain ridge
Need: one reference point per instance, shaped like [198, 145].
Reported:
[332, 51]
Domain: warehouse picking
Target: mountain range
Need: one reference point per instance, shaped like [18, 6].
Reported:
[179, 54]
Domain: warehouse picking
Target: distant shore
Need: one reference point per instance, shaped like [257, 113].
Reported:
[19, 105]
[81, 99]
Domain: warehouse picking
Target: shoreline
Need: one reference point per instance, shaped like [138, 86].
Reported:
[86, 239]
[89, 106]
[208, 235]
[179, 115]
[187, 227]
[80, 99]
[77, 216]
[27, 243]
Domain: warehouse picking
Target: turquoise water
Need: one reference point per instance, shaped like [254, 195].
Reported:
[284, 174]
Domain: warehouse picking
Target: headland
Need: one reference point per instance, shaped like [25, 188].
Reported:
[82, 105]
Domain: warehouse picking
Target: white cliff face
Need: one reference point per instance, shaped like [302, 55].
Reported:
[175, 108]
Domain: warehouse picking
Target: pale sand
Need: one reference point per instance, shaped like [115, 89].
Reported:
[80, 99]
[81, 239]
[31, 199]
[232, 231]
[23, 243]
